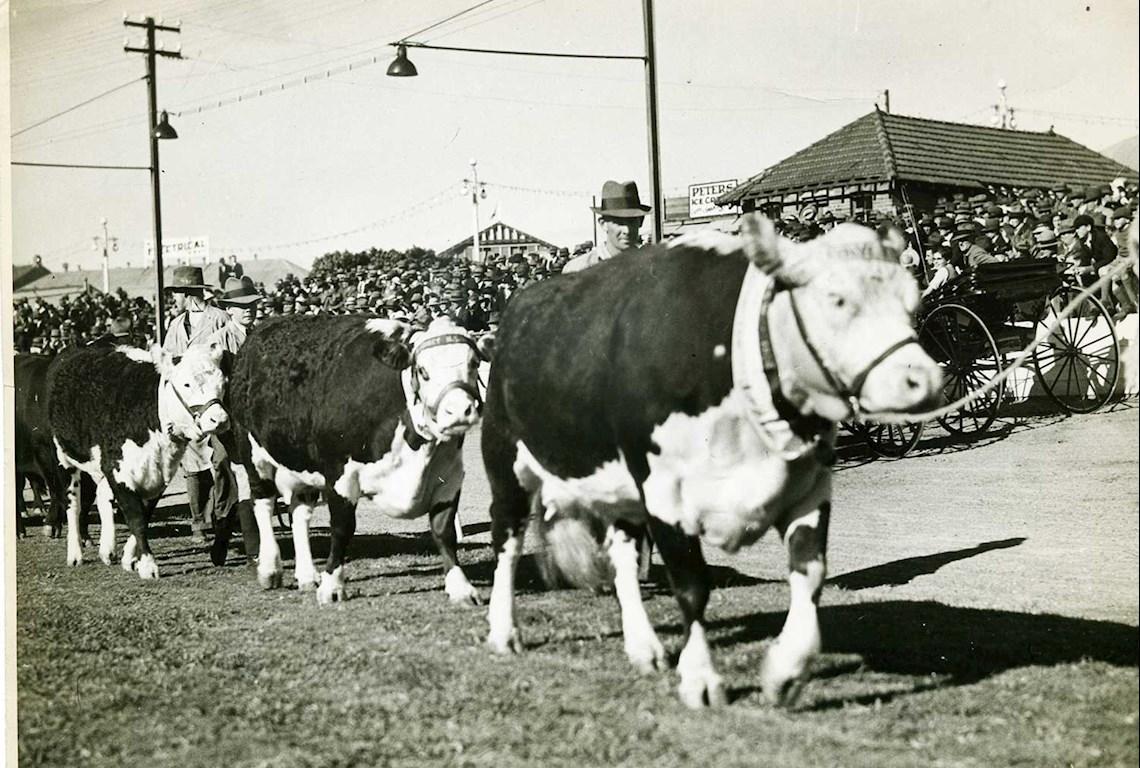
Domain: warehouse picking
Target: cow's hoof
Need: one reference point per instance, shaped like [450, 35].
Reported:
[781, 678]
[306, 578]
[648, 656]
[74, 553]
[269, 579]
[459, 589]
[306, 585]
[109, 558]
[75, 559]
[505, 646]
[700, 691]
[147, 567]
[331, 589]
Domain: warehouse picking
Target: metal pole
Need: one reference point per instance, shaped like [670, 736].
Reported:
[106, 261]
[475, 258]
[651, 110]
[887, 100]
[594, 217]
[155, 179]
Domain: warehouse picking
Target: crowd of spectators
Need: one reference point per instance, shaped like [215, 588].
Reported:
[45, 328]
[1083, 228]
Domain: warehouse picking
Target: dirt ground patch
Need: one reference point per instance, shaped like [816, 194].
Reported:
[982, 610]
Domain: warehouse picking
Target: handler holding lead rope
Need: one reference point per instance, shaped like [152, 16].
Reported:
[193, 326]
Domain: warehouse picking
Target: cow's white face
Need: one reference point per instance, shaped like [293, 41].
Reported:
[855, 305]
[445, 376]
[190, 399]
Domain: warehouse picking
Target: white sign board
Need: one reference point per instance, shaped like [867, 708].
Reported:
[180, 250]
[702, 198]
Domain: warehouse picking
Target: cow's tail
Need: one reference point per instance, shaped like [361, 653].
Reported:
[571, 552]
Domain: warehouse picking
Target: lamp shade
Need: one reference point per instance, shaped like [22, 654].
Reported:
[164, 130]
[401, 66]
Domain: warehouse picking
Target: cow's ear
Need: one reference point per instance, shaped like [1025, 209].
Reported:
[394, 354]
[163, 360]
[761, 242]
[216, 352]
[486, 346]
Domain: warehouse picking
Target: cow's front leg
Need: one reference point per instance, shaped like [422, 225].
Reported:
[301, 513]
[641, 644]
[701, 685]
[268, 553]
[134, 509]
[445, 535]
[74, 545]
[104, 502]
[787, 665]
[342, 525]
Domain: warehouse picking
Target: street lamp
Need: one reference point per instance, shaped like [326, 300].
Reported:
[401, 66]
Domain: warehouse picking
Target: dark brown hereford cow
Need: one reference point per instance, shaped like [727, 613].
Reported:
[693, 388]
[353, 407]
[124, 416]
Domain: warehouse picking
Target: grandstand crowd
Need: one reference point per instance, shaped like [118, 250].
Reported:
[1083, 228]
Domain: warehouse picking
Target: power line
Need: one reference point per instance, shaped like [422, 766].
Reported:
[80, 165]
[449, 18]
[77, 106]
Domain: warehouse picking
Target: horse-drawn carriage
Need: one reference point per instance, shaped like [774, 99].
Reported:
[978, 323]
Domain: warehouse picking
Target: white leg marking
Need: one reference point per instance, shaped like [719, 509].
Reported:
[459, 589]
[331, 589]
[641, 644]
[74, 547]
[268, 555]
[503, 636]
[303, 570]
[148, 568]
[700, 683]
[106, 507]
[787, 663]
[128, 561]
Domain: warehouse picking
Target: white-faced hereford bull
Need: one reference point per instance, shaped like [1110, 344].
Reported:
[694, 388]
[353, 407]
[124, 417]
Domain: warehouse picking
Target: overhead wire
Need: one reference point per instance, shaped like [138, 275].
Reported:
[74, 107]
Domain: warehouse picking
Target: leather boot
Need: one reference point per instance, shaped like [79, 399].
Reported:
[198, 487]
[250, 535]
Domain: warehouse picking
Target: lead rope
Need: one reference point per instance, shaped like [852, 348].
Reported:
[891, 417]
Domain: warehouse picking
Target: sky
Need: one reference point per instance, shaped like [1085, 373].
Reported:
[313, 159]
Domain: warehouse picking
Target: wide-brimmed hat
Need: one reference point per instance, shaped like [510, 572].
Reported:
[621, 201]
[187, 278]
[239, 292]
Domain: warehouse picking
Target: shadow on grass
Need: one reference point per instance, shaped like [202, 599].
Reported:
[904, 571]
[955, 646]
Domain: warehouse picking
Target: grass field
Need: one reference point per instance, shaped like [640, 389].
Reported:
[983, 611]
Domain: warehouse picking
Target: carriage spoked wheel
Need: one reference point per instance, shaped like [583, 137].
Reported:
[1079, 363]
[957, 339]
[892, 441]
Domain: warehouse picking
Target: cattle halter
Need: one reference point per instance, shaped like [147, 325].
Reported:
[195, 411]
[446, 339]
[847, 392]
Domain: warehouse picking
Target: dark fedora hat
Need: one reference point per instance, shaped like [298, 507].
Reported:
[239, 292]
[187, 278]
[621, 201]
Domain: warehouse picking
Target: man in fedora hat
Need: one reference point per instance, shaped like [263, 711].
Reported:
[194, 324]
[239, 298]
[620, 215]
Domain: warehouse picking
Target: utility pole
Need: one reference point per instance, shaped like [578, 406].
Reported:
[107, 244]
[152, 52]
[477, 191]
[887, 100]
[655, 193]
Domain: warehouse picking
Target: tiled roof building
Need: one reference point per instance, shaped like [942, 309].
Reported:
[884, 159]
